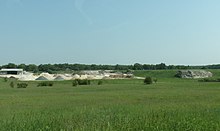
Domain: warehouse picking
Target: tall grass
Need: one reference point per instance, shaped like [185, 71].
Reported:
[113, 118]
[170, 104]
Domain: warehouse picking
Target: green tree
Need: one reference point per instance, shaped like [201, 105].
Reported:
[22, 66]
[138, 66]
[161, 66]
[10, 65]
[32, 68]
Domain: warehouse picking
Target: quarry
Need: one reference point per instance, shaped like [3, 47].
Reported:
[91, 75]
[22, 75]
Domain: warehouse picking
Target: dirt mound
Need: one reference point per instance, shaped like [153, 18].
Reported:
[47, 76]
[41, 78]
[59, 78]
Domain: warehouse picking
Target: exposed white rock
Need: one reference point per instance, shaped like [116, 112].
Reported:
[99, 74]
[193, 74]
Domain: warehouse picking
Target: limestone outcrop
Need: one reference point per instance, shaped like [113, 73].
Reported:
[193, 74]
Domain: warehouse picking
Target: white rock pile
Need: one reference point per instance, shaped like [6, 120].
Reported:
[193, 74]
[92, 75]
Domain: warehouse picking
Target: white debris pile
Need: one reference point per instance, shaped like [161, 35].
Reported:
[27, 76]
[48, 76]
[92, 75]
[76, 76]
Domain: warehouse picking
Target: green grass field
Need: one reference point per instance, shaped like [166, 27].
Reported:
[170, 104]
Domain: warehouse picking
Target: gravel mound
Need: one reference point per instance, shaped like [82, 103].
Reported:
[193, 74]
[41, 78]
[59, 78]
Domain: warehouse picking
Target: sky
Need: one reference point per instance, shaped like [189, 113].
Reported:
[179, 32]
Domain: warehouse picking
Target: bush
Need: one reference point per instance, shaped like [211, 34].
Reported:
[209, 80]
[5, 79]
[50, 84]
[148, 80]
[83, 82]
[12, 85]
[155, 80]
[75, 83]
[100, 82]
[45, 84]
[89, 82]
[22, 85]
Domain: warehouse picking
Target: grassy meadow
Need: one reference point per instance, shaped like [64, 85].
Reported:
[170, 104]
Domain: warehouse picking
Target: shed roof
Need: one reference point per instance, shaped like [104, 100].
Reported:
[11, 70]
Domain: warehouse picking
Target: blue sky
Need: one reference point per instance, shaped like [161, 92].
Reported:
[110, 31]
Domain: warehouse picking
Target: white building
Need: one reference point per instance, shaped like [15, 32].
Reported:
[11, 72]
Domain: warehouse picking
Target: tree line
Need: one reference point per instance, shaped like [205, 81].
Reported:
[51, 68]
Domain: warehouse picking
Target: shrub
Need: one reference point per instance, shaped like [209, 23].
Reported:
[75, 83]
[83, 82]
[155, 80]
[88, 82]
[22, 85]
[148, 80]
[100, 82]
[209, 80]
[45, 84]
[5, 79]
[12, 85]
[50, 84]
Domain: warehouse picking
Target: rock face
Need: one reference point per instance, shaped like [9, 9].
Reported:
[193, 74]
